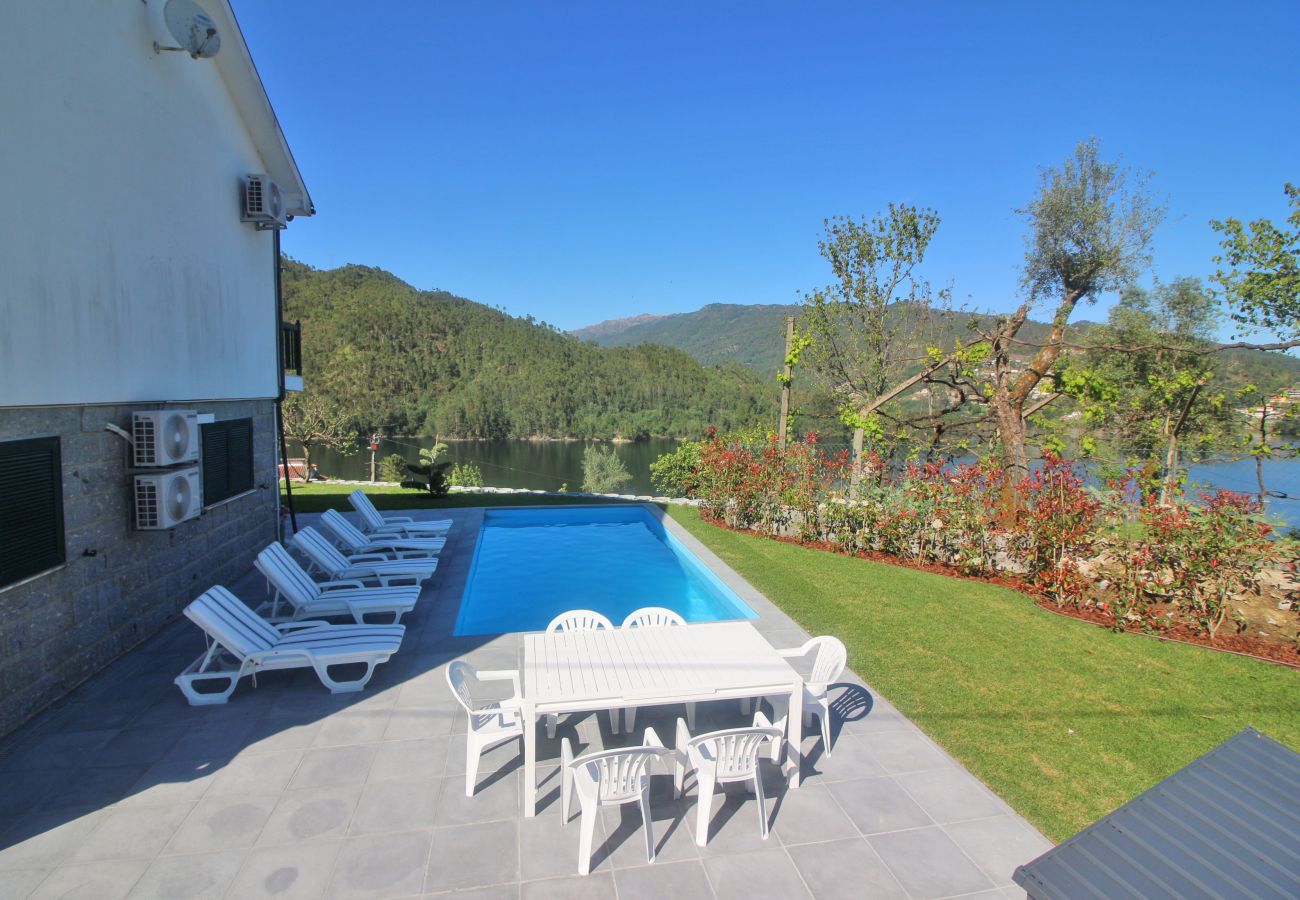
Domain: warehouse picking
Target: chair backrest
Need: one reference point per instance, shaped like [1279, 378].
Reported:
[313, 545]
[830, 660]
[285, 575]
[652, 617]
[370, 517]
[619, 773]
[230, 623]
[734, 751]
[344, 530]
[579, 620]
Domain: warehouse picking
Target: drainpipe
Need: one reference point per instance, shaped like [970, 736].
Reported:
[279, 400]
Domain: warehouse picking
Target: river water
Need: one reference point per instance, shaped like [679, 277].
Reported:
[532, 464]
[552, 464]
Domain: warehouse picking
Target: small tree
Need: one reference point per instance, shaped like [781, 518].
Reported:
[430, 472]
[466, 475]
[311, 420]
[1259, 271]
[392, 468]
[602, 471]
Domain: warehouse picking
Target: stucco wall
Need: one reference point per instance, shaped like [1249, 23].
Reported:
[59, 628]
[125, 273]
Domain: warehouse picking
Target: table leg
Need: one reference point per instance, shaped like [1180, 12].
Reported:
[794, 734]
[529, 716]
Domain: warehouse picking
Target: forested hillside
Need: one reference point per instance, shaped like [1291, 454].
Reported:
[425, 362]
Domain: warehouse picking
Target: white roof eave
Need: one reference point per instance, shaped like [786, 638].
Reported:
[235, 64]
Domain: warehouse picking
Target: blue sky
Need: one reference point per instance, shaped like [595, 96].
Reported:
[579, 162]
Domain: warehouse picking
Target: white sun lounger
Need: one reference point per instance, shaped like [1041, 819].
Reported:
[324, 557]
[312, 599]
[240, 643]
[376, 523]
[355, 542]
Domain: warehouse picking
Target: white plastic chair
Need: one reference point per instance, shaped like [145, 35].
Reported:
[653, 617]
[491, 723]
[579, 620]
[720, 757]
[610, 778]
[827, 666]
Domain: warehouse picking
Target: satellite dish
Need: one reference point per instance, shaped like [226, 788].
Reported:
[176, 436]
[192, 28]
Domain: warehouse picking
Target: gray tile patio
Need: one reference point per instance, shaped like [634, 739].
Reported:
[123, 790]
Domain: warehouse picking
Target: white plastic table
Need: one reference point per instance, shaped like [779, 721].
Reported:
[578, 671]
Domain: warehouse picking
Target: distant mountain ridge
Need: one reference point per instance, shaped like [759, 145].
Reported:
[611, 327]
[754, 336]
[750, 334]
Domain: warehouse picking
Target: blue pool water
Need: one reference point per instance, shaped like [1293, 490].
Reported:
[533, 564]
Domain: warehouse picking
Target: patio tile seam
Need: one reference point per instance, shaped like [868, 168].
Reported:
[943, 829]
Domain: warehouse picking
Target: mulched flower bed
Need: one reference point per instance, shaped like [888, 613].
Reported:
[1261, 648]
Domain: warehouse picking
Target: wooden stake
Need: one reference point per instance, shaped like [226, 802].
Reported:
[783, 423]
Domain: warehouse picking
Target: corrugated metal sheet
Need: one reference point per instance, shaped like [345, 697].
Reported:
[1227, 825]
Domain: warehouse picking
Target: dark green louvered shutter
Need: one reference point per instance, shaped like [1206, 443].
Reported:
[239, 473]
[227, 459]
[31, 508]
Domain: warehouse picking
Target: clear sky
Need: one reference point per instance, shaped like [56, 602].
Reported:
[585, 161]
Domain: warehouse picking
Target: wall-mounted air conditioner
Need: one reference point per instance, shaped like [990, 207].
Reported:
[165, 499]
[164, 437]
[263, 203]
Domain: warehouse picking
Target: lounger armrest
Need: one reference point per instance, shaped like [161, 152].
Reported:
[358, 558]
[340, 584]
[511, 675]
[396, 520]
[795, 652]
[286, 627]
[384, 579]
[414, 554]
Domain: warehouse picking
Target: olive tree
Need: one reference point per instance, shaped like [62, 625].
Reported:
[1089, 231]
[313, 421]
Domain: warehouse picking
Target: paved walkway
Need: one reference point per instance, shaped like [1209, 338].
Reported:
[287, 791]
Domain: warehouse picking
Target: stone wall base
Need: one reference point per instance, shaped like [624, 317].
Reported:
[119, 586]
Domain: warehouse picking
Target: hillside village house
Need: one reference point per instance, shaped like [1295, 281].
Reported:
[136, 275]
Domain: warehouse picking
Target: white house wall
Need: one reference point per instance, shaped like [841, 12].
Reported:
[125, 273]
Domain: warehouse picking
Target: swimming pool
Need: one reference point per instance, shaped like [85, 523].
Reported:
[533, 564]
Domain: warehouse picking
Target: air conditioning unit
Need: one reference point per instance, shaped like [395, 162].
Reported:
[263, 203]
[165, 499]
[165, 437]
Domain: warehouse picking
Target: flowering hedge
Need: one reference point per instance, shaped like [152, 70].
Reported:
[1110, 548]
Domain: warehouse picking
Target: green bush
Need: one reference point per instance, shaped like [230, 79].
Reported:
[392, 468]
[602, 471]
[673, 473]
[466, 475]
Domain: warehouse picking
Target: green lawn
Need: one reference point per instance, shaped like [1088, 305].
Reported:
[1063, 719]
[322, 495]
